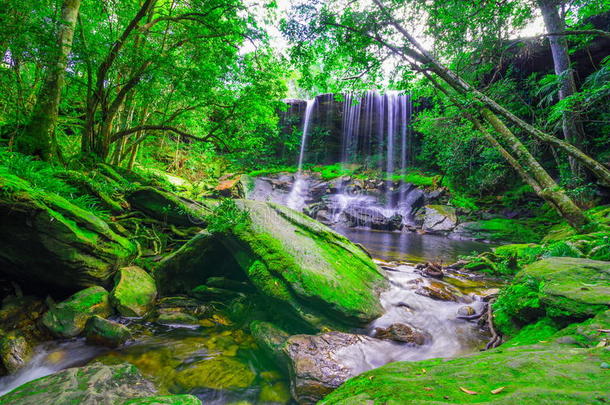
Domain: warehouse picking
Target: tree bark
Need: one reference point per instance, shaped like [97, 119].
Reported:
[573, 130]
[39, 134]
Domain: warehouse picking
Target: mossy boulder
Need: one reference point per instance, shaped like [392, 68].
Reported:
[576, 288]
[15, 351]
[300, 265]
[69, 318]
[168, 207]
[134, 291]
[47, 239]
[302, 268]
[217, 373]
[564, 289]
[95, 384]
[104, 332]
[525, 375]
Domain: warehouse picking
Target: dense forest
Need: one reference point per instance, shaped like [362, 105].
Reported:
[286, 201]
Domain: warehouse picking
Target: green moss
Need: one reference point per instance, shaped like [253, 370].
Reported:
[273, 170]
[530, 375]
[295, 259]
[165, 400]
[134, 292]
[217, 373]
[68, 318]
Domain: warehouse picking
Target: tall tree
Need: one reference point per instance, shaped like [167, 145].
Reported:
[554, 21]
[38, 136]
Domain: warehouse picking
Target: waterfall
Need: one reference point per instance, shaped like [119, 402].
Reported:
[296, 196]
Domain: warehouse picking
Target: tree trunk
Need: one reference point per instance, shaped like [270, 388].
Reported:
[525, 164]
[550, 190]
[38, 136]
[423, 57]
[573, 130]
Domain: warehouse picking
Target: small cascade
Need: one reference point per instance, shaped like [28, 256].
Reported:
[297, 194]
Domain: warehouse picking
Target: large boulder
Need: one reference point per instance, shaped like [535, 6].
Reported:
[96, 384]
[360, 216]
[439, 218]
[47, 239]
[134, 292]
[69, 318]
[526, 375]
[300, 266]
[318, 364]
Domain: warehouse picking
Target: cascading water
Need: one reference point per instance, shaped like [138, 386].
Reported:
[296, 196]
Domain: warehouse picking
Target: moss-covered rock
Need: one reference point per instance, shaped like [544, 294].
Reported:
[301, 265]
[134, 291]
[168, 207]
[541, 374]
[217, 373]
[47, 239]
[165, 400]
[439, 218]
[96, 384]
[104, 332]
[69, 318]
[562, 288]
[15, 351]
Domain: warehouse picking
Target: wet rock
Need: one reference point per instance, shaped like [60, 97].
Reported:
[47, 239]
[400, 332]
[68, 318]
[15, 351]
[276, 393]
[176, 318]
[216, 373]
[439, 218]
[23, 313]
[104, 332]
[206, 293]
[466, 310]
[229, 284]
[270, 339]
[317, 363]
[134, 292]
[370, 217]
[440, 291]
[167, 207]
[89, 385]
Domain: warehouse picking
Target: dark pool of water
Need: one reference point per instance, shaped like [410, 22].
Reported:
[413, 247]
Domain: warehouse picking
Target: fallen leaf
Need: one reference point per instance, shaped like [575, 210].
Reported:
[423, 370]
[427, 388]
[497, 390]
[468, 391]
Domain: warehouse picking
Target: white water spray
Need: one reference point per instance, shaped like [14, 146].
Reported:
[296, 197]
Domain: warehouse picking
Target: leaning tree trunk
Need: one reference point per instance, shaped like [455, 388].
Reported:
[39, 134]
[524, 163]
[423, 57]
[573, 130]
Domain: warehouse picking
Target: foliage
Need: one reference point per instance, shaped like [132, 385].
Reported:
[227, 216]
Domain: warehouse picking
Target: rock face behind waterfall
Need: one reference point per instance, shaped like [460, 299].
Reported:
[47, 239]
[300, 266]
